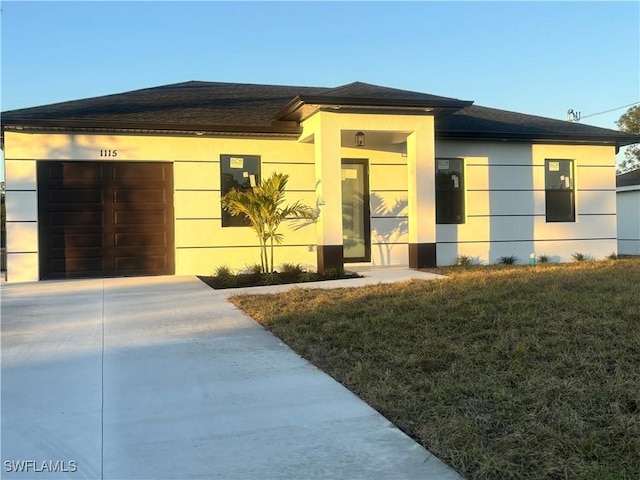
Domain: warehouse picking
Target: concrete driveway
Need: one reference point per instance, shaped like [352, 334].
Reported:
[160, 377]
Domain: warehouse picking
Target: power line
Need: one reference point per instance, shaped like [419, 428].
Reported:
[607, 111]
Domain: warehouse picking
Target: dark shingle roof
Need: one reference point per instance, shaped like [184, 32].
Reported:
[202, 103]
[231, 107]
[489, 123]
[628, 179]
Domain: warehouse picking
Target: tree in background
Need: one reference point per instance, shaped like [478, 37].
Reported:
[630, 122]
[263, 205]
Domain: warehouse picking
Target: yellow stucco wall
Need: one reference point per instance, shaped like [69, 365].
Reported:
[505, 201]
[201, 244]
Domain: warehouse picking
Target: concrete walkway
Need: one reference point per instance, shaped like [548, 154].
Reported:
[160, 377]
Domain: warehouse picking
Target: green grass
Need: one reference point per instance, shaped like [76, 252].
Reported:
[512, 372]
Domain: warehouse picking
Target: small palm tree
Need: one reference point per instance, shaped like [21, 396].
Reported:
[263, 205]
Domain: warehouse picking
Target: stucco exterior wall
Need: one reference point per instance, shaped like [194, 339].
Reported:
[504, 182]
[628, 201]
[505, 203]
[201, 244]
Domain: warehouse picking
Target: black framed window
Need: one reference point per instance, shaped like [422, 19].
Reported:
[449, 191]
[240, 172]
[559, 191]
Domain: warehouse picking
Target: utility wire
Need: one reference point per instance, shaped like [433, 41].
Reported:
[607, 111]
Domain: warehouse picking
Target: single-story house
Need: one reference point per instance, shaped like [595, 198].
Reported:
[130, 184]
[628, 207]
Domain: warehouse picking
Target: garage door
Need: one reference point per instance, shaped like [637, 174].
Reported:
[99, 219]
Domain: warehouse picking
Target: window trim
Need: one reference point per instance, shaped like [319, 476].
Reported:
[225, 217]
[571, 190]
[463, 191]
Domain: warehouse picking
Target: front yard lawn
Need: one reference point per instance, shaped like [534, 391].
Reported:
[502, 372]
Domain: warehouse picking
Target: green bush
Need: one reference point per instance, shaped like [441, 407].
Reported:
[543, 259]
[292, 269]
[580, 257]
[510, 260]
[464, 261]
[225, 277]
[334, 272]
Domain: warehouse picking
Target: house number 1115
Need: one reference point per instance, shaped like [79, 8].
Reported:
[108, 153]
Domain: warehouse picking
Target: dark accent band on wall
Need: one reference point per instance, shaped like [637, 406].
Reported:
[596, 166]
[196, 161]
[529, 165]
[266, 162]
[508, 215]
[198, 218]
[596, 189]
[197, 190]
[306, 245]
[387, 164]
[330, 256]
[506, 190]
[529, 240]
[422, 255]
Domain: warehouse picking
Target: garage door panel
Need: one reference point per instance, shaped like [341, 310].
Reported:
[77, 240]
[76, 218]
[105, 219]
[134, 240]
[68, 173]
[77, 267]
[135, 197]
[139, 218]
[154, 265]
[73, 196]
[131, 171]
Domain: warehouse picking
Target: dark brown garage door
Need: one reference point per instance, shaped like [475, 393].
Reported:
[99, 219]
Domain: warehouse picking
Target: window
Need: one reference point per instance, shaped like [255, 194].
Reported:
[559, 188]
[237, 171]
[449, 191]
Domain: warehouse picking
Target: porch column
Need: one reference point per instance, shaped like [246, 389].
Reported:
[329, 191]
[422, 198]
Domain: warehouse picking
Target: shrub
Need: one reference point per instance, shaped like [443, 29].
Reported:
[580, 257]
[464, 261]
[543, 259]
[291, 268]
[225, 276]
[334, 272]
[309, 277]
[510, 260]
[255, 269]
[613, 256]
[270, 278]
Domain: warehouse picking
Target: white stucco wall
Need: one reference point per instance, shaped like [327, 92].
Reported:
[628, 200]
[505, 203]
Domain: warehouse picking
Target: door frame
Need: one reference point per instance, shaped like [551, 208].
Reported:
[367, 208]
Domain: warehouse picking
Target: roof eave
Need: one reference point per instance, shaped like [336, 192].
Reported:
[295, 111]
[613, 140]
[198, 129]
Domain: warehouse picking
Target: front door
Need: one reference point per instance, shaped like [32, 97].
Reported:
[356, 220]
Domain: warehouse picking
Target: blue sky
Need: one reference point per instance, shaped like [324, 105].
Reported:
[534, 57]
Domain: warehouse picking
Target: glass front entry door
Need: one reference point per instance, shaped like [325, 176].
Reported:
[356, 223]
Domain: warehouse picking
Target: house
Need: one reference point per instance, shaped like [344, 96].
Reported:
[130, 184]
[628, 207]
